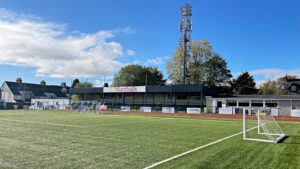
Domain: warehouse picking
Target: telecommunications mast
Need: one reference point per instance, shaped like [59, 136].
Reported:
[185, 29]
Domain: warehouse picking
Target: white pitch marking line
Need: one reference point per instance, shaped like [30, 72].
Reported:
[68, 125]
[53, 124]
[140, 121]
[195, 149]
[209, 120]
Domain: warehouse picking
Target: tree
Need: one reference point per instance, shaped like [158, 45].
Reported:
[203, 66]
[81, 85]
[135, 75]
[216, 73]
[76, 97]
[268, 88]
[105, 84]
[74, 83]
[84, 85]
[279, 86]
[244, 84]
[199, 53]
[154, 76]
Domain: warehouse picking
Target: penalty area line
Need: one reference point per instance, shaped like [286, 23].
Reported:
[195, 149]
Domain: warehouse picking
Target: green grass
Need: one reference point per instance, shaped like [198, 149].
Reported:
[46, 139]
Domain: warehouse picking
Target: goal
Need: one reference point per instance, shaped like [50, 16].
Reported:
[260, 125]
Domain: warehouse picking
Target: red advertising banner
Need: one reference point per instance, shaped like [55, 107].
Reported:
[104, 107]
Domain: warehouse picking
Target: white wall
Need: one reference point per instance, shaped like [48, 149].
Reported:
[56, 103]
[6, 94]
[284, 103]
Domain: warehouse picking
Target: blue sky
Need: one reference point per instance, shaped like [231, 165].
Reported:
[261, 37]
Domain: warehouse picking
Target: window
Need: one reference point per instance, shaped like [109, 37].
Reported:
[293, 88]
[181, 97]
[257, 103]
[271, 103]
[195, 98]
[244, 103]
[120, 96]
[231, 102]
[109, 96]
[128, 95]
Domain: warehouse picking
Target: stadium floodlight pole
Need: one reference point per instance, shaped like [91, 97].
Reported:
[201, 97]
[103, 91]
[185, 27]
[87, 79]
[24, 94]
[145, 96]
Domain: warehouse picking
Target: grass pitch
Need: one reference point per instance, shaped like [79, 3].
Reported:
[46, 139]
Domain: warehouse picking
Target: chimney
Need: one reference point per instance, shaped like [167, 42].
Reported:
[43, 82]
[63, 84]
[19, 80]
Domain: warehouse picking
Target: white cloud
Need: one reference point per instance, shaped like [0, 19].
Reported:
[100, 83]
[169, 82]
[158, 60]
[127, 31]
[272, 74]
[54, 51]
[130, 52]
[136, 62]
[260, 82]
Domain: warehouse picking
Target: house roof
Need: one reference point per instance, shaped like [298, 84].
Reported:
[293, 82]
[36, 89]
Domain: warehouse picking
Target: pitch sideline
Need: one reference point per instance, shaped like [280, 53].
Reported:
[195, 149]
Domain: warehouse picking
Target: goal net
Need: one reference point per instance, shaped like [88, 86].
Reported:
[87, 106]
[260, 125]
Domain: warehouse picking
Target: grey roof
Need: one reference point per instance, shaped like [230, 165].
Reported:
[293, 81]
[36, 89]
[280, 97]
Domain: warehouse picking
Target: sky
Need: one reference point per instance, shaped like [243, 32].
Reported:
[58, 41]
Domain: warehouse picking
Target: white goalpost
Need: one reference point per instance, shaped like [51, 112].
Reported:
[260, 125]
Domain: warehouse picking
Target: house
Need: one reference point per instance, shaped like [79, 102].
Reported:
[294, 85]
[233, 104]
[18, 93]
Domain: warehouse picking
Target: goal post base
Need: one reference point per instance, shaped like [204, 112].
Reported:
[281, 138]
[261, 140]
[278, 140]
